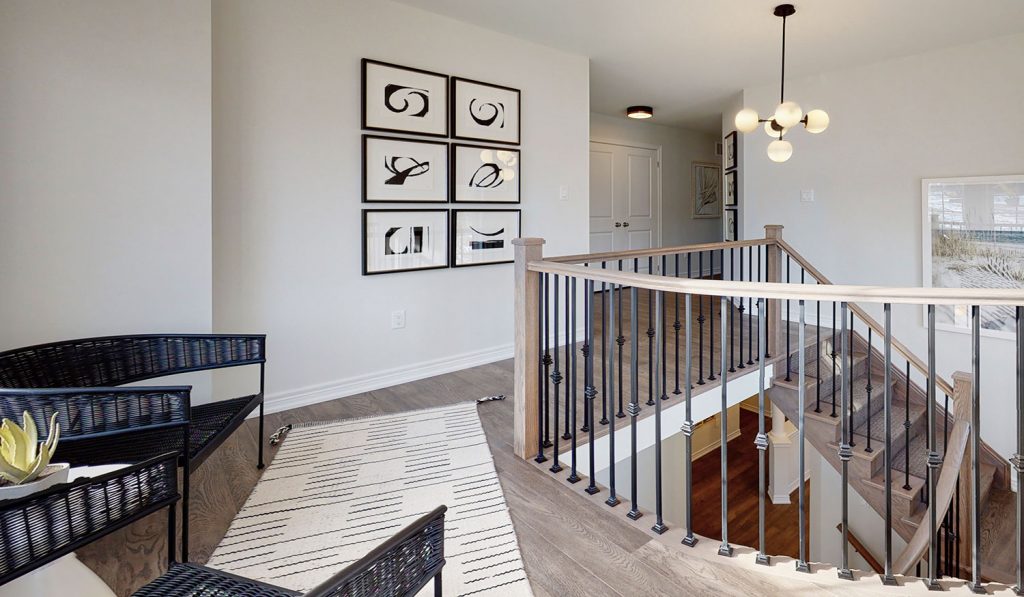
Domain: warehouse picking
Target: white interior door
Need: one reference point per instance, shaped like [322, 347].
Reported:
[625, 198]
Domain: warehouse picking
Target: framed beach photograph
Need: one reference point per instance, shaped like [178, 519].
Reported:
[400, 99]
[404, 170]
[482, 174]
[484, 237]
[731, 226]
[731, 190]
[484, 112]
[707, 190]
[404, 240]
[974, 238]
[730, 151]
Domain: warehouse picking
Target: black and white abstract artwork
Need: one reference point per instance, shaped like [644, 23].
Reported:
[481, 237]
[485, 174]
[731, 190]
[707, 190]
[485, 112]
[404, 170]
[404, 240]
[730, 151]
[731, 225]
[402, 99]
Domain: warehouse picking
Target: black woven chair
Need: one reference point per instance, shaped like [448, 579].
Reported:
[102, 424]
[38, 529]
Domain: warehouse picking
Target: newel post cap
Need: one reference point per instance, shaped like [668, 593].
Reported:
[527, 241]
[773, 230]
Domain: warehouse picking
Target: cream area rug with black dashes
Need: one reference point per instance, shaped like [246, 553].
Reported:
[337, 490]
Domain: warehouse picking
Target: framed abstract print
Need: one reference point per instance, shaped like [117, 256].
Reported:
[404, 170]
[404, 240]
[400, 99]
[482, 174]
[484, 112]
[484, 237]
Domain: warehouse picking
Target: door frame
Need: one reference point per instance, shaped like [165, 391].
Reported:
[656, 207]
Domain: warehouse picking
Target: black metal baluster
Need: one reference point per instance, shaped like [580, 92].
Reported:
[689, 540]
[588, 380]
[732, 317]
[556, 379]
[542, 384]
[906, 434]
[651, 369]
[711, 326]
[621, 341]
[750, 309]
[663, 343]
[1018, 457]
[740, 310]
[604, 350]
[833, 351]
[547, 362]
[659, 314]
[845, 453]
[801, 562]
[700, 323]
[725, 549]
[573, 476]
[609, 321]
[570, 354]
[934, 461]
[587, 420]
[975, 450]
[849, 381]
[789, 350]
[817, 357]
[676, 327]
[868, 389]
[887, 577]
[634, 402]
[761, 440]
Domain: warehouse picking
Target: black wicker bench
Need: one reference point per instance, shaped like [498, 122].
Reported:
[40, 528]
[102, 423]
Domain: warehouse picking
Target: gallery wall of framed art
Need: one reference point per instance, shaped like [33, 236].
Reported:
[731, 187]
[470, 156]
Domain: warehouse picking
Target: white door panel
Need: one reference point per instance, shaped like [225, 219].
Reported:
[625, 198]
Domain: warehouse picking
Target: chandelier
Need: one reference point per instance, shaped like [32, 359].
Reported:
[788, 114]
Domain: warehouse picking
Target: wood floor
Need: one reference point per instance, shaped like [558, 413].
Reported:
[571, 543]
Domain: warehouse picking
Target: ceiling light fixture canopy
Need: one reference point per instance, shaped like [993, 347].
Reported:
[640, 112]
[787, 114]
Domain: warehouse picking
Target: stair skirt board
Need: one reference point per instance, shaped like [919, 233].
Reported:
[337, 490]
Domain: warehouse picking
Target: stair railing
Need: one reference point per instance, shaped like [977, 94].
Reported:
[752, 296]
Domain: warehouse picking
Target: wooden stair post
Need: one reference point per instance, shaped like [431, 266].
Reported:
[773, 255]
[963, 406]
[526, 353]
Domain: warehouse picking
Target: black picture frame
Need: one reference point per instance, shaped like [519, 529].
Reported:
[447, 241]
[445, 105]
[729, 213]
[453, 169]
[452, 222]
[729, 149]
[730, 183]
[448, 169]
[453, 104]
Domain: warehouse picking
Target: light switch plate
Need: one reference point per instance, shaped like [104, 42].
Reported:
[563, 193]
[807, 196]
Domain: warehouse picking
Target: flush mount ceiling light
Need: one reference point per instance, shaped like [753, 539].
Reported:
[788, 114]
[640, 112]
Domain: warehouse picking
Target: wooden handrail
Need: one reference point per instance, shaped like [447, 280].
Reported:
[658, 252]
[783, 291]
[943, 385]
[945, 487]
[859, 547]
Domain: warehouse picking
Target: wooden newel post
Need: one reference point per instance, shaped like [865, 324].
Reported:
[963, 410]
[527, 353]
[773, 255]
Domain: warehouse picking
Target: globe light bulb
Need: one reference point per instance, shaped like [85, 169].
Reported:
[817, 121]
[779, 150]
[487, 156]
[503, 156]
[746, 120]
[788, 114]
[774, 134]
[508, 174]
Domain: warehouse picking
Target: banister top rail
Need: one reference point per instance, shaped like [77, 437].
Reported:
[775, 290]
[659, 251]
[943, 385]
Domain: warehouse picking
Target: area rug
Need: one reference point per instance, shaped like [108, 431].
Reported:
[337, 490]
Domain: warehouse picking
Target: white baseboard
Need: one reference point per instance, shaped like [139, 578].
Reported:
[386, 378]
[715, 445]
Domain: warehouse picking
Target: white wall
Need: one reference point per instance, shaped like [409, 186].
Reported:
[105, 169]
[287, 191]
[679, 149]
[952, 112]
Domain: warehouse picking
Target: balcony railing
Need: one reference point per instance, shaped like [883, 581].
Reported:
[606, 336]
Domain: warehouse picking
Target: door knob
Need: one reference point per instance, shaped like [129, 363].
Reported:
[618, 224]
[625, 224]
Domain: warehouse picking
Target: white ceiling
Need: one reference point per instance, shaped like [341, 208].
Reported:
[685, 57]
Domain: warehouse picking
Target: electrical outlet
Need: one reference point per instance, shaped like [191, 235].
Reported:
[398, 319]
[807, 196]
